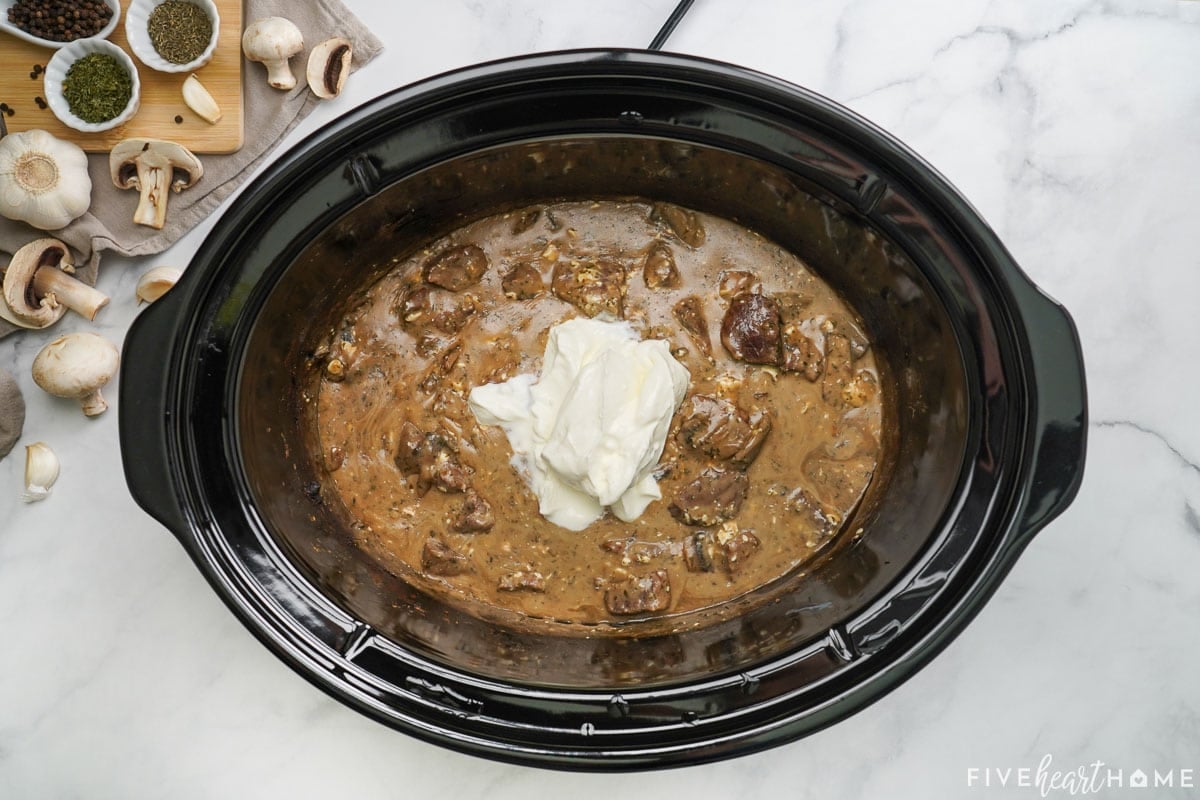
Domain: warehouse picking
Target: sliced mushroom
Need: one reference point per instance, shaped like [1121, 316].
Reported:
[38, 287]
[328, 66]
[271, 42]
[152, 166]
[77, 366]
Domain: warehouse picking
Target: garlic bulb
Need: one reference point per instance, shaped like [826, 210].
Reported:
[43, 180]
[41, 471]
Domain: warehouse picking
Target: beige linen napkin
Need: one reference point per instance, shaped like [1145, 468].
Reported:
[269, 115]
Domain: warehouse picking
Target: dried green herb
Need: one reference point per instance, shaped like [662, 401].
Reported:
[180, 31]
[97, 88]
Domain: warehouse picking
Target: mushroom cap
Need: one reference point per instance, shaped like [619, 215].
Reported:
[154, 153]
[20, 306]
[12, 413]
[272, 39]
[75, 365]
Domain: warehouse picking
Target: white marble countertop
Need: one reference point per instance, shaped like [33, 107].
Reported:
[1073, 126]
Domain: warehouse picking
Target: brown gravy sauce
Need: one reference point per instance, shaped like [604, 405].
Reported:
[401, 363]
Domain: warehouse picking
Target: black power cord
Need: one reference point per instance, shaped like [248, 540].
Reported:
[668, 27]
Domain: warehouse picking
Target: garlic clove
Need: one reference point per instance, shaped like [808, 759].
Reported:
[155, 283]
[200, 100]
[41, 471]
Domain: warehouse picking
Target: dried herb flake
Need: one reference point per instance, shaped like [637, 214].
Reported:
[180, 31]
[97, 88]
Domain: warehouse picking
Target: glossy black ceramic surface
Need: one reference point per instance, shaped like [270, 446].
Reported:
[990, 406]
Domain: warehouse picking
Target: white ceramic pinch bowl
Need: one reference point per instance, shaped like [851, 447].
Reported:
[56, 73]
[9, 28]
[137, 33]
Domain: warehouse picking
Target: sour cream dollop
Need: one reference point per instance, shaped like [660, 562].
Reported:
[588, 433]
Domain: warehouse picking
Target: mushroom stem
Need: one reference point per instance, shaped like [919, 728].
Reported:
[155, 183]
[93, 403]
[279, 74]
[75, 295]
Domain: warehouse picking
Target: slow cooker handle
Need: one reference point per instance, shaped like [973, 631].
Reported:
[145, 411]
[1059, 427]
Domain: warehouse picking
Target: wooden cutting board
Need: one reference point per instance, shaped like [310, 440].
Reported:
[162, 100]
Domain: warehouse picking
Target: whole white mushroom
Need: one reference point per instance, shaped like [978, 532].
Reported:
[77, 366]
[272, 41]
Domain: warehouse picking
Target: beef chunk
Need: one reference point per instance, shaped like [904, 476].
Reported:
[522, 282]
[690, 313]
[638, 595]
[446, 360]
[839, 371]
[840, 484]
[699, 552]
[801, 354]
[414, 306]
[705, 551]
[720, 429]
[591, 286]
[851, 440]
[408, 453]
[440, 467]
[339, 355]
[432, 458]
[713, 497]
[475, 516]
[421, 307]
[737, 549]
[631, 549]
[525, 220]
[438, 558]
[522, 581]
[847, 326]
[334, 458]
[861, 389]
[453, 317]
[659, 271]
[818, 518]
[750, 330]
[456, 268]
[733, 282]
[683, 223]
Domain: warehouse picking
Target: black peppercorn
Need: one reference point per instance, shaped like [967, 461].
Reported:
[60, 20]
